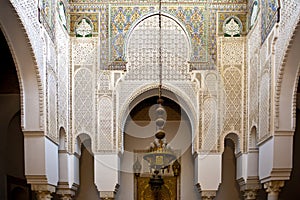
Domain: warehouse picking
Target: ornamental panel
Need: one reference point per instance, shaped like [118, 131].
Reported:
[233, 99]
[84, 51]
[264, 107]
[193, 19]
[63, 68]
[52, 107]
[253, 89]
[105, 123]
[83, 102]
[210, 125]
[143, 51]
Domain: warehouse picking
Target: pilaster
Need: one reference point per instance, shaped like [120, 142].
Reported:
[273, 189]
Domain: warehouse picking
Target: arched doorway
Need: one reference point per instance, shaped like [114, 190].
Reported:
[139, 132]
[229, 188]
[87, 188]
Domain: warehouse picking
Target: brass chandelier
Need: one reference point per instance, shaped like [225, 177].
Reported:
[160, 155]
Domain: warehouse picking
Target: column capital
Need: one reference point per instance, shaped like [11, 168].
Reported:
[43, 188]
[273, 186]
[250, 187]
[66, 197]
[107, 195]
[43, 195]
[65, 192]
[250, 194]
[208, 194]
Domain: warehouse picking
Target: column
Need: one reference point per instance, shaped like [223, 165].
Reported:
[273, 189]
[208, 195]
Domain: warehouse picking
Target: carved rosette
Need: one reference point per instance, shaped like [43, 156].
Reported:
[250, 194]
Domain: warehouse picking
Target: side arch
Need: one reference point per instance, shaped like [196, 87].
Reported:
[286, 86]
[26, 67]
[235, 139]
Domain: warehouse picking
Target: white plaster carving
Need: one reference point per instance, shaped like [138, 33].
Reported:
[105, 124]
[83, 107]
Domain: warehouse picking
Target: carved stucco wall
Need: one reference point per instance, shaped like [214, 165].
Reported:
[232, 66]
[140, 44]
[89, 55]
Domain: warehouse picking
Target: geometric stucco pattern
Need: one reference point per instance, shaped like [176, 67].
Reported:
[143, 50]
[105, 125]
[193, 20]
[264, 108]
[83, 102]
[52, 106]
[231, 66]
[178, 25]
[254, 44]
[63, 77]
[210, 128]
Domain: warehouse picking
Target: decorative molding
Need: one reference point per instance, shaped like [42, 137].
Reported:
[33, 133]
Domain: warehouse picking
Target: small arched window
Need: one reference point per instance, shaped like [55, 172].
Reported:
[232, 27]
[84, 28]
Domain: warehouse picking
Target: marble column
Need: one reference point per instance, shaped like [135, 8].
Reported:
[208, 195]
[273, 189]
